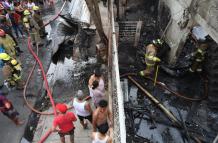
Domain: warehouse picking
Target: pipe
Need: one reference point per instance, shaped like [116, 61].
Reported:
[55, 17]
[174, 92]
[161, 106]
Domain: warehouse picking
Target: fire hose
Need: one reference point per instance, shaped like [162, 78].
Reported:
[162, 85]
[37, 60]
[43, 75]
[46, 85]
[31, 72]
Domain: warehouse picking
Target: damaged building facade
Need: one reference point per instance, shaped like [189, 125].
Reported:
[174, 21]
[184, 15]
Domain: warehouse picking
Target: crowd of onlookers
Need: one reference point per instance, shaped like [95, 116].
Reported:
[16, 23]
[99, 116]
[19, 19]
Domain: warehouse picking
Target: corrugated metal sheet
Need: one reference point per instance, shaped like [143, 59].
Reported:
[79, 10]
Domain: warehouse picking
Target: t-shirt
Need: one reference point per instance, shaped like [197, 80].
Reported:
[65, 122]
[4, 100]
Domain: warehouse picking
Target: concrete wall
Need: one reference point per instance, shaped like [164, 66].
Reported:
[185, 14]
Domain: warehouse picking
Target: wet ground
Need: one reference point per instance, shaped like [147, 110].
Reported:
[72, 65]
[9, 132]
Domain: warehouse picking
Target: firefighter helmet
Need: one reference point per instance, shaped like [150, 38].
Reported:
[157, 42]
[26, 12]
[2, 33]
[4, 56]
[13, 62]
[35, 8]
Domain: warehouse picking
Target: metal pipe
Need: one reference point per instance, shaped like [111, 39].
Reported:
[161, 106]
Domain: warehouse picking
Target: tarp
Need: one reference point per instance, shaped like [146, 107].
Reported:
[199, 33]
[79, 10]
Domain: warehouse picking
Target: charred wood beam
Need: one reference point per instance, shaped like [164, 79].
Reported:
[95, 14]
[161, 106]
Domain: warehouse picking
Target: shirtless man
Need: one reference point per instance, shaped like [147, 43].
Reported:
[102, 116]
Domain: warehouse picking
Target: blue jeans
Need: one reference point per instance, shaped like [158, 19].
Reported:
[16, 29]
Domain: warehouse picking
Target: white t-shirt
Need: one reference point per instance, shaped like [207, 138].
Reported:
[97, 140]
[30, 5]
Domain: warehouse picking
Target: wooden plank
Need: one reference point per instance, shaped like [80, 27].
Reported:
[96, 20]
[138, 33]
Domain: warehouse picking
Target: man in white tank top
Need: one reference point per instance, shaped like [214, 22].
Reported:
[82, 108]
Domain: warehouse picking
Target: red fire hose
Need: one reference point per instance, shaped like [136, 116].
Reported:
[46, 85]
[43, 75]
[45, 136]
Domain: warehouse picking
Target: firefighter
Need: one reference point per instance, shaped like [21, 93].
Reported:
[150, 57]
[8, 43]
[198, 58]
[38, 18]
[32, 27]
[11, 71]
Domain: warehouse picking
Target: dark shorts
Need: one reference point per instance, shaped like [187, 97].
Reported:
[81, 118]
[71, 133]
[12, 113]
[104, 125]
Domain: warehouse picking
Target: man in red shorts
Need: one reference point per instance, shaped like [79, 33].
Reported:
[63, 123]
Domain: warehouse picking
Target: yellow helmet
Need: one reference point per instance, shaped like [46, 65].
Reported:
[26, 12]
[35, 8]
[4, 56]
[13, 62]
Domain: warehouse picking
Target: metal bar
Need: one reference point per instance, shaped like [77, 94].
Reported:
[138, 33]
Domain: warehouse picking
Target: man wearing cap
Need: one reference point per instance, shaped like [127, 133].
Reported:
[63, 123]
[83, 109]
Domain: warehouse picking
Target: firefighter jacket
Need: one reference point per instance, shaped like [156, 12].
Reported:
[30, 24]
[38, 19]
[200, 53]
[150, 56]
[9, 45]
